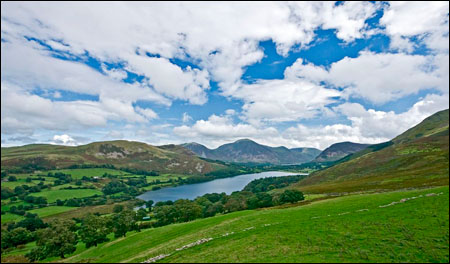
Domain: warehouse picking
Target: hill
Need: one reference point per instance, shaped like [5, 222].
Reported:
[339, 150]
[120, 153]
[356, 228]
[248, 151]
[418, 157]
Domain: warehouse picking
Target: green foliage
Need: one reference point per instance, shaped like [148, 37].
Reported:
[31, 222]
[56, 240]
[114, 187]
[12, 178]
[291, 196]
[15, 237]
[141, 213]
[123, 222]
[94, 230]
[270, 183]
[7, 193]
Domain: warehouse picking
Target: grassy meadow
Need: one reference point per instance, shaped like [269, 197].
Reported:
[351, 228]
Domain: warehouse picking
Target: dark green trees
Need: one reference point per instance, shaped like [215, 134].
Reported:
[93, 230]
[291, 196]
[56, 240]
[123, 222]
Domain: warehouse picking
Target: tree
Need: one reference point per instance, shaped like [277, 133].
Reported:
[31, 222]
[93, 230]
[259, 200]
[15, 237]
[149, 205]
[114, 187]
[165, 214]
[291, 196]
[7, 192]
[12, 178]
[187, 210]
[19, 190]
[213, 209]
[123, 222]
[141, 213]
[57, 240]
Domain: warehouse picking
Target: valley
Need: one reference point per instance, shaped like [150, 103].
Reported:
[376, 203]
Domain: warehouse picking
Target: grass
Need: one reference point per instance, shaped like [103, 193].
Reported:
[51, 210]
[346, 229]
[91, 172]
[8, 217]
[53, 195]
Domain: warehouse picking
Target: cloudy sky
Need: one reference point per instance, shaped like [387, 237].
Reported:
[296, 74]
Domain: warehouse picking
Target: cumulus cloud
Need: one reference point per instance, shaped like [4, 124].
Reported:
[283, 100]
[379, 77]
[24, 112]
[427, 20]
[197, 30]
[64, 140]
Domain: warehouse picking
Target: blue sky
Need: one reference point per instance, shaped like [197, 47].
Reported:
[304, 74]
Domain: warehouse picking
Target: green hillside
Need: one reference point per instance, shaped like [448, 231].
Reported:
[356, 228]
[418, 157]
[121, 153]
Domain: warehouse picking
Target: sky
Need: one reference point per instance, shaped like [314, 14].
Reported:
[294, 74]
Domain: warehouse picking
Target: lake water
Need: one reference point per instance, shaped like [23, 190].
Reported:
[226, 185]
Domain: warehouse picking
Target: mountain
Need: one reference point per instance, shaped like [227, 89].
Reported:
[339, 150]
[248, 151]
[198, 149]
[120, 153]
[418, 157]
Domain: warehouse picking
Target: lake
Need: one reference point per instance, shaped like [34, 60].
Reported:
[226, 185]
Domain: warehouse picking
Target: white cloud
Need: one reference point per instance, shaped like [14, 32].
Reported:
[186, 117]
[64, 140]
[387, 125]
[170, 79]
[283, 100]
[221, 37]
[23, 112]
[427, 19]
[379, 77]
[147, 113]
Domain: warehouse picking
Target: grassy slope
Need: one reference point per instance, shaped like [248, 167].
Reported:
[121, 153]
[414, 231]
[418, 157]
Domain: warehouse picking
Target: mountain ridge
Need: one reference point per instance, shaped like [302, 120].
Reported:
[248, 151]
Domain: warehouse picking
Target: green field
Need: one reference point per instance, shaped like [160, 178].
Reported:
[346, 229]
[8, 217]
[91, 172]
[53, 195]
[51, 210]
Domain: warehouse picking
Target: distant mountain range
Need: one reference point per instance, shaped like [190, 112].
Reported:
[339, 150]
[417, 157]
[248, 151]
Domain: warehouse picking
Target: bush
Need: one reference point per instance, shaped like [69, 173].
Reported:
[291, 196]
